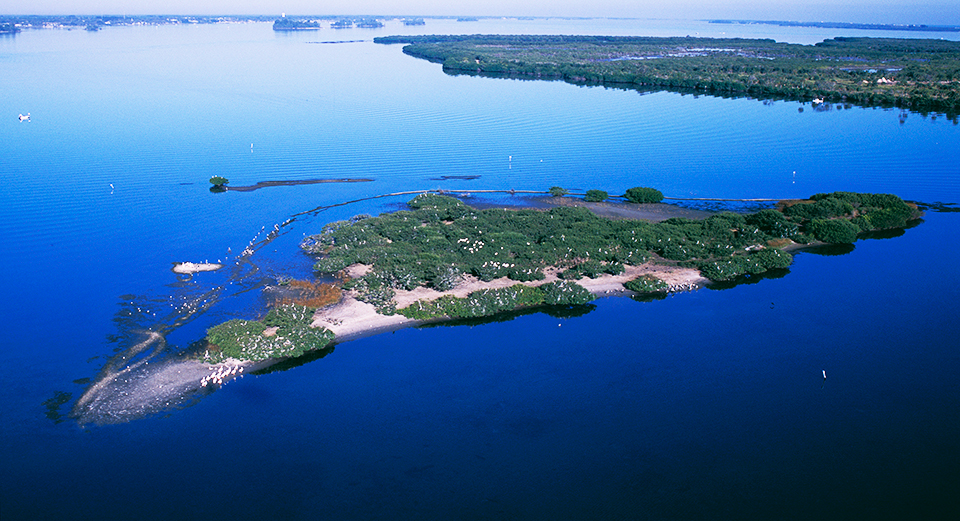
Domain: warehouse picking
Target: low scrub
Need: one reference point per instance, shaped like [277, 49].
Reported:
[595, 196]
[646, 284]
[492, 301]
[248, 339]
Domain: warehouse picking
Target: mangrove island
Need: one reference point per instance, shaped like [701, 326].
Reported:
[443, 259]
[917, 74]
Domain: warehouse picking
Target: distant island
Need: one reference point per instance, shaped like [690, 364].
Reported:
[847, 25]
[444, 260]
[289, 24]
[918, 74]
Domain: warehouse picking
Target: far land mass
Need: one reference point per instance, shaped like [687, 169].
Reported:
[916, 74]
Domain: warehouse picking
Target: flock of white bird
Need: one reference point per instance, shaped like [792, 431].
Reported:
[221, 374]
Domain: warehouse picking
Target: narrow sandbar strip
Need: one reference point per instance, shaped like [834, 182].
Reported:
[188, 268]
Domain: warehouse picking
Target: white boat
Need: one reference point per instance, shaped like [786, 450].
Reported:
[817, 101]
[25, 118]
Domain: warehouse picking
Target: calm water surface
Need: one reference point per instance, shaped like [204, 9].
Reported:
[703, 405]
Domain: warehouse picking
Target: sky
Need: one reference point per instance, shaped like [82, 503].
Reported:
[930, 12]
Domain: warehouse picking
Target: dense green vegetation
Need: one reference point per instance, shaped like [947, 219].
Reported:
[441, 240]
[919, 74]
[641, 194]
[218, 180]
[646, 284]
[246, 339]
[595, 196]
[492, 301]
[839, 216]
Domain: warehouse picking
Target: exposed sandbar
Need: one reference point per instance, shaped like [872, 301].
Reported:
[188, 268]
[294, 182]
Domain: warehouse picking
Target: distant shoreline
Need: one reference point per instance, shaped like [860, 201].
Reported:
[846, 25]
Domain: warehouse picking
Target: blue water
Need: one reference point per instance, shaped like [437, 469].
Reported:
[703, 405]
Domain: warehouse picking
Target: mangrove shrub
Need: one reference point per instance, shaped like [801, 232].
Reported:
[641, 194]
[595, 196]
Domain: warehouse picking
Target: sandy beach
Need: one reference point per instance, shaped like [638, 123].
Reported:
[350, 319]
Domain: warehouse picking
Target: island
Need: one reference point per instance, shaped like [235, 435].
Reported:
[916, 74]
[289, 24]
[443, 260]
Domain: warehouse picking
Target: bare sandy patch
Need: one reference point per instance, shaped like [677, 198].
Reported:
[188, 268]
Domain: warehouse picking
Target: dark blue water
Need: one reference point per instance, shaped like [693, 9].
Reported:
[703, 405]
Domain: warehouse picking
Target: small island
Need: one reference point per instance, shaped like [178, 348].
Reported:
[444, 260]
[289, 24]
[917, 74]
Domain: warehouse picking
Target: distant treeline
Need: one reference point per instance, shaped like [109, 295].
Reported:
[847, 25]
[919, 74]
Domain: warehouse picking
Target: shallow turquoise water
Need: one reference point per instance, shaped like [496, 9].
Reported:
[707, 404]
